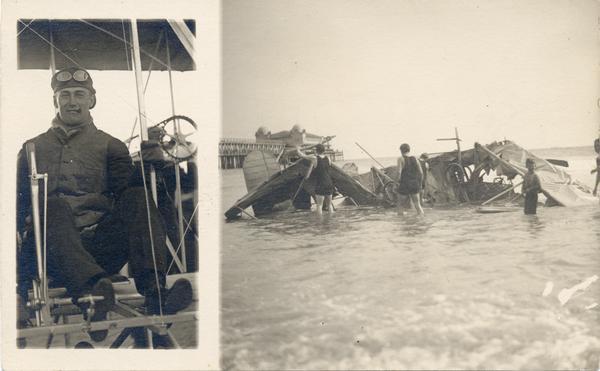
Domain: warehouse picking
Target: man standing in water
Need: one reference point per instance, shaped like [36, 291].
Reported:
[424, 165]
[597, 169]
[410, 178]
[320, 173]
[531, 188]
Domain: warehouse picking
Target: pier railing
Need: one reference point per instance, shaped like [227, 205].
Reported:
[233, 151]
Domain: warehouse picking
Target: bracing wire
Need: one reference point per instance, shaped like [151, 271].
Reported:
[123, 40]
[147, 199]
[26, 26]
[188, 222]
[51, 44]
[186, 229]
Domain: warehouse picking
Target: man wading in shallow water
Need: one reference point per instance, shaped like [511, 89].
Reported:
[320, 172]
[97, 220]
[410, 180]
[597, 169]
[531, 188]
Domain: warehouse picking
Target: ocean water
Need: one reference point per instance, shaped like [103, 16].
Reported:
[368, 289]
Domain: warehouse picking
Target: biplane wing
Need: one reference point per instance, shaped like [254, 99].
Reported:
[102, 44]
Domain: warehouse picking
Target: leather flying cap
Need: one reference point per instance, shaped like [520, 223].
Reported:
[72, 77]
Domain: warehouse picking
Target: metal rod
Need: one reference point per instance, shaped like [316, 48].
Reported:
[35, 205]
[298, 190]
[45, 255]
[501, 193]
[245, 212]
[368, 154]
[302, 182]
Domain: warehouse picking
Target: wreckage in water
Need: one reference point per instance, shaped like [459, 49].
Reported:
[483, 174]
[477, 176]
[289, 186]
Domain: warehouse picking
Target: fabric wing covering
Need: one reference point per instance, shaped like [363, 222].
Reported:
[556, 183]
[102, 44]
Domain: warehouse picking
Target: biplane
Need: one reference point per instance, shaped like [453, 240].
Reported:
[134, 45]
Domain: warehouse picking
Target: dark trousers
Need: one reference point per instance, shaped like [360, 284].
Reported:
[75, 261]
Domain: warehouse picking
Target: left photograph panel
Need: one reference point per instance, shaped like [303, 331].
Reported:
[106, 184]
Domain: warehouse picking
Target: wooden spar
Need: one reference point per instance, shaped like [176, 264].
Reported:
[457, 140]
[137, 68]
[368, 154]
[52, 59]
[501, 193]
[177, 177]
[503, 161]
[459, 155]
[117, 324]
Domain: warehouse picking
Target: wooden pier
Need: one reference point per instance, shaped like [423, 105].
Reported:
[233, 151]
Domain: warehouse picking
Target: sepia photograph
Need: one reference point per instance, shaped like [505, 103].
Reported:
[85, 209]
[104, 114]
[410, 185]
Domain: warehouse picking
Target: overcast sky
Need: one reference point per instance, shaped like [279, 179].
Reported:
[386, 72]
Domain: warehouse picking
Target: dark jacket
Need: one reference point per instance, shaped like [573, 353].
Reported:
[88, 168]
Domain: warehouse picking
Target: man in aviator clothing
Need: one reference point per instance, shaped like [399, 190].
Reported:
[97, 219]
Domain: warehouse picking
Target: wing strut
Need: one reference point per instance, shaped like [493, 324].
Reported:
[144, 136]
[176, 168]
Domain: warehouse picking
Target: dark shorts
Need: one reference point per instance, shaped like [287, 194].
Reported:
[324, 190]
[409, 188]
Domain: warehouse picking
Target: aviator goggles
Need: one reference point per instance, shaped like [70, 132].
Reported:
[77, 75]
[71, 78]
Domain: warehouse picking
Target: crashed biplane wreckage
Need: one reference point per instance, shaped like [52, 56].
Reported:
[291, 185]
[477, 176]
[484, 174]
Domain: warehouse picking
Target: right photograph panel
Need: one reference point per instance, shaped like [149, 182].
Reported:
[410, 185]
